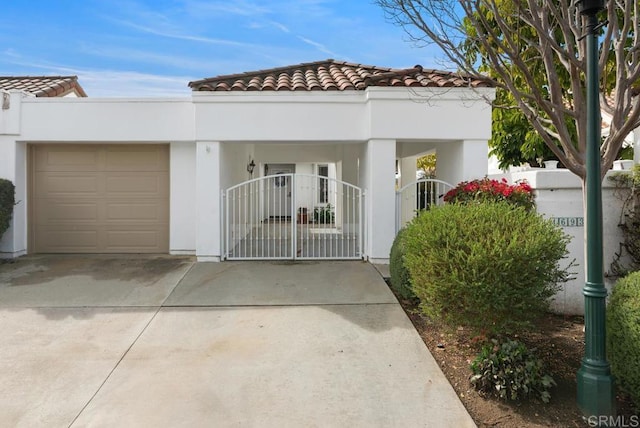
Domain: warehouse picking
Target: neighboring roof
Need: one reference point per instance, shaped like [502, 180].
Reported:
[43, 86]
[332, 75]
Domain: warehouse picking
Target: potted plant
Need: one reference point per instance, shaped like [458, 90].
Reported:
[323, 215]
[303, 217]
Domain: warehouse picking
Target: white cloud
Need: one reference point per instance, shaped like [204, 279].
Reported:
[168, 60]
[142, 47]
[109, 83]
[172, 35]
[320, 47]
[213, 8]
[280, 26]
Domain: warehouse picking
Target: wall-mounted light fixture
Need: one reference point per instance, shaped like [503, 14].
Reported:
[250, 166]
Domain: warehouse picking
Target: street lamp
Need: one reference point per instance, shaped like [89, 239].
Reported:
[596, 396]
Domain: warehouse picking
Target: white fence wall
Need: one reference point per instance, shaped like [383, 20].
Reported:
[559, 196]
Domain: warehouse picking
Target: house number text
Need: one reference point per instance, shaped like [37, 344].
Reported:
[568, 221]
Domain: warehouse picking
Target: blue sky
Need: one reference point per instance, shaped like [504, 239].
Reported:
[155, 47]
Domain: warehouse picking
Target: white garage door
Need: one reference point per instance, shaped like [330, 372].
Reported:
[100, 198]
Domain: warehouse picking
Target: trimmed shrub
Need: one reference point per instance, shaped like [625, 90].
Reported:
[623, 334]
[400, 280]
[510, 371]
[7, 201]
[491, 266]
[488, 190]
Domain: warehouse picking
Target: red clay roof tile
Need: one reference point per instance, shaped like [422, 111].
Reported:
[43, 86]
[331, 75]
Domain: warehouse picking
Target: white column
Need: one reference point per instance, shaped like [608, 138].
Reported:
[380, 171]
[462, 160]
[14, 168]
[182, 233]
[208, 207]
[408, 168]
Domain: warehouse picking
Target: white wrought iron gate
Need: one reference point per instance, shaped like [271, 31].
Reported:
[293, 216]
[417, 196]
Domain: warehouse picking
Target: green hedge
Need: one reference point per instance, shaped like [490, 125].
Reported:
[7, 201]
[400, 280]
[623, 334]
[489, 266]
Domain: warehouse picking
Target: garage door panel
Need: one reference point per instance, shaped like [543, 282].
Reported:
[154, 184]
[67, 158]
[100, 199]
[70, 240]
[65, 185]
[135, 212]
[139, 158]
[55, 211]
[124, 240]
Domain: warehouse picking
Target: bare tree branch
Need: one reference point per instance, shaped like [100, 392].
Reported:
[535, 50]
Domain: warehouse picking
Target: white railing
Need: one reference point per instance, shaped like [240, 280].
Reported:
[418, 196]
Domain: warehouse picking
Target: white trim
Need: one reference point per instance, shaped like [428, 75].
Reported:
[215, 259]
[10, 255]
[377, 261]
[182, 252]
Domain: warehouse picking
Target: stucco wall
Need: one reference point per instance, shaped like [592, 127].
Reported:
[380, 198]
[461, 161]
[213, 136]
[106, 120]
[13, 161]
[559, 195]
[182, 231]
[384, 113]
[436, 109]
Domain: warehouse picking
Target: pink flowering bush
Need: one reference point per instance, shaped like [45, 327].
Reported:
[489, 190]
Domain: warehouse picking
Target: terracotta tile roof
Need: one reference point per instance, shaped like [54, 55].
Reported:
[43, 86]
[332, 75]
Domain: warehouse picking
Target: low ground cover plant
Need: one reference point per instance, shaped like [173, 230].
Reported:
[510, 371]
[623, 334]
[491, 266]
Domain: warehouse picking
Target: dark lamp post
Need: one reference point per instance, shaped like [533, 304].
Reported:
[596, 395]
[590, 7]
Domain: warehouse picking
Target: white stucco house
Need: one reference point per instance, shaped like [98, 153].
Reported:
[290, 162]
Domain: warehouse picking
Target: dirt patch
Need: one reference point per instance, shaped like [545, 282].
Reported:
[39, 269]
[558, 340]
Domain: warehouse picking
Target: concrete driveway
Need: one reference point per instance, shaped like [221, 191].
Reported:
[107, 341]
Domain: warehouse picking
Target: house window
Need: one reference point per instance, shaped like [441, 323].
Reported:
[323, 184]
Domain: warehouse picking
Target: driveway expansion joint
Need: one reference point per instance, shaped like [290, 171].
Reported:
[285, 305]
